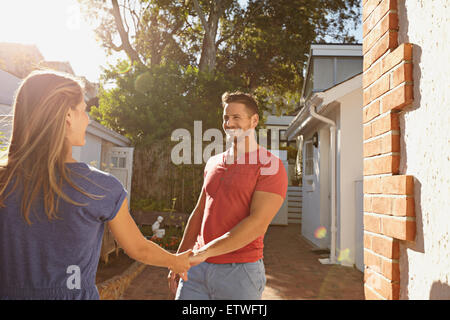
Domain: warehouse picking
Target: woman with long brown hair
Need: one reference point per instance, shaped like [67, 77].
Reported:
[52, 208]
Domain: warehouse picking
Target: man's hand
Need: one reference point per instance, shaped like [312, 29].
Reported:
[173, 280]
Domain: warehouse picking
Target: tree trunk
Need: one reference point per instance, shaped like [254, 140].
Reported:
[209, 49]
[126, 45]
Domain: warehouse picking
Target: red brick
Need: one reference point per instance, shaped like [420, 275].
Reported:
[387, 289]
[386, 144]
[388, 41]
[402, 74]
[402, 53]
[381, 205]
[380, 11]
[372, 261]
[372, 186]
[369, 7]
[401, 229]
[367, 241]
[372, 148]
[403, 207]
[367, 97]
[398, 98]
[386, 164]
[367, 132]
[387, 247]
[372, 111]
[389, 22]
[385, 124]
[367, 204]
[370, 294]
[372, 75]
[398, 184]
[380, 87]
[390, 269]
[372, 223]
[390, 143]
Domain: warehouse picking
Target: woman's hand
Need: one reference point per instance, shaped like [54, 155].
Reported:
[181, 264]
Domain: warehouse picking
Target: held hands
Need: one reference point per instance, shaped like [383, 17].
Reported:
[182, 264]
[195, 257]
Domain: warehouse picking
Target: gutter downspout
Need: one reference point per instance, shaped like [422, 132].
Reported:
[316, 101]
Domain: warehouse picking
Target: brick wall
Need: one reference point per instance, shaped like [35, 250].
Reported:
[388, 197]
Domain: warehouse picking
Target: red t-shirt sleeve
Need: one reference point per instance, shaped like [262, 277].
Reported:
[273, 178]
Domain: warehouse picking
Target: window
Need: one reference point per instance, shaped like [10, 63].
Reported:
[330, 71]
[347, 67]
[309, 158]
[119, 162]
[283, 137]
[323, 76]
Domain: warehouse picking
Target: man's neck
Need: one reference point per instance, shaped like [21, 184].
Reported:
[240, 148]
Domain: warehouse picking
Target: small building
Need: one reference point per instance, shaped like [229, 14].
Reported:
[329, 131]
[276, 141]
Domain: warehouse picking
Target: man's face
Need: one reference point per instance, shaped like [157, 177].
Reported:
[237, 122]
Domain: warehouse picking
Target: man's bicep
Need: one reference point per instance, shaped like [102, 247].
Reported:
[265, 205]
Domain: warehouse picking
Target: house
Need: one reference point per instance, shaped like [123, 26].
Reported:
[329, 130]
[275, 140]
[19, 59]
[406, 138]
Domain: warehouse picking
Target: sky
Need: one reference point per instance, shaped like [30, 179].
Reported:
[60, 33]
[58, 30]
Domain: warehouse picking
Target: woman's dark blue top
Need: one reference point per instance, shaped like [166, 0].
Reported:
[57, 259]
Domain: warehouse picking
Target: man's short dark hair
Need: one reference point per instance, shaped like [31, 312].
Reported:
[245, 98]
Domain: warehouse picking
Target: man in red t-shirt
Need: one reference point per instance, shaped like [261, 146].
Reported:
[243, 189]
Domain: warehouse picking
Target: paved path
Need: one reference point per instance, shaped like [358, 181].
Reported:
[293, 272]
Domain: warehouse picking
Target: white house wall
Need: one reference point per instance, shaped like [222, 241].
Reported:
[350, 167]
[325, 183]
[424, 146]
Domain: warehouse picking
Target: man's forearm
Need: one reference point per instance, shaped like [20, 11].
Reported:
[242, 234]
[190, 233]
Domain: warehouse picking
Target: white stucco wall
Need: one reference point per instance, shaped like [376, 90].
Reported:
[325, 181]
[425, 136]
[351, 170]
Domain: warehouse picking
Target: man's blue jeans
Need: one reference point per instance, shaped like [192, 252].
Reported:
[229, 281]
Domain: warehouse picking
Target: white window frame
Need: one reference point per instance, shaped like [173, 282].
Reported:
[308, 183]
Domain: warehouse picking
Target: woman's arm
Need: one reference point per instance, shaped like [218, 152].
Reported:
[139, 248]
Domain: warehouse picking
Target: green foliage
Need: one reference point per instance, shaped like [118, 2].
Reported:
[264, 44]
[148, 104]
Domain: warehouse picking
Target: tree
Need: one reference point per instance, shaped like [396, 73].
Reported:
[265, 43]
